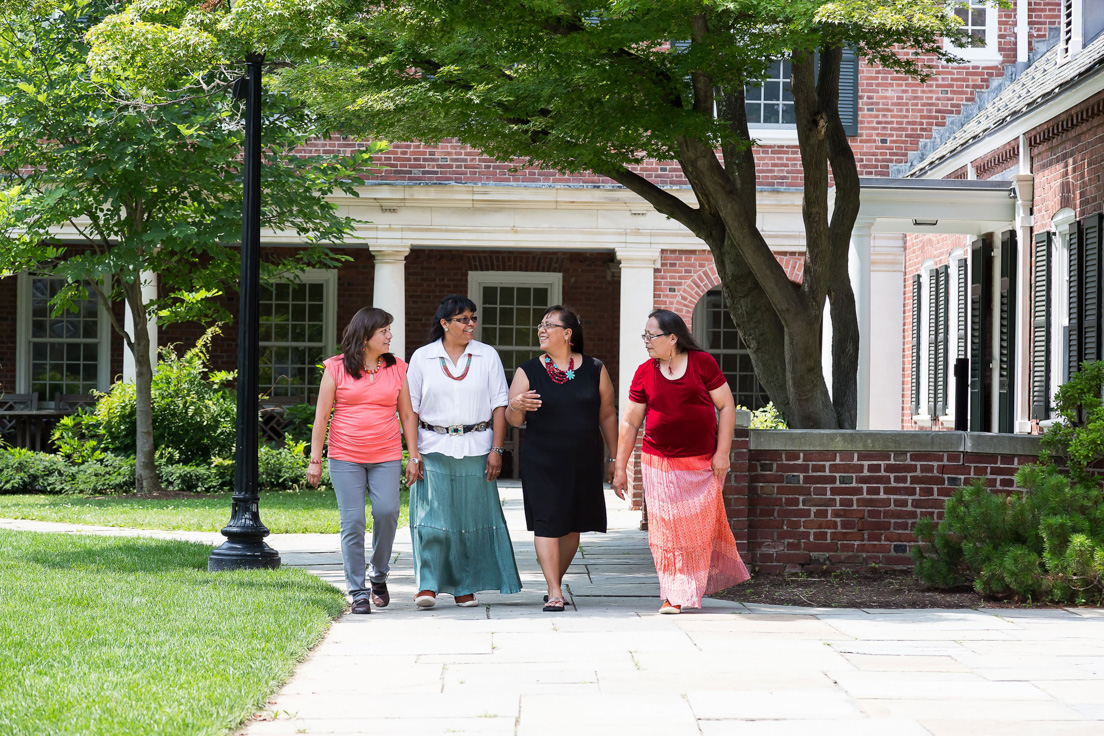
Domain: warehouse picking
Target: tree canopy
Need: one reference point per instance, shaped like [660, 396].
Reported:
[100, 189]
[587, 85]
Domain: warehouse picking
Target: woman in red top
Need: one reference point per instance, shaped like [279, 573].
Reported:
[365, 388]
[681, 392]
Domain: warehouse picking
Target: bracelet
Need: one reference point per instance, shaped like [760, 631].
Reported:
[316, 462]
[499, 450]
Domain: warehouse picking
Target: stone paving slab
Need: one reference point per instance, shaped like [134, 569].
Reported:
[610, 664]
[836, 727]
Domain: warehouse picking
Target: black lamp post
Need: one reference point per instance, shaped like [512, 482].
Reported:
[245, 547]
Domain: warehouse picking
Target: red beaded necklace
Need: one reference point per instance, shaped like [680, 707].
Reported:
[444, 367]
[555, 373]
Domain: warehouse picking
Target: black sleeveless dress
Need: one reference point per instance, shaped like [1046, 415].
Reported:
[562, 455]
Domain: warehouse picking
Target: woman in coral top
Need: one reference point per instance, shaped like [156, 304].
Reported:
[365, 388]
[681, 392]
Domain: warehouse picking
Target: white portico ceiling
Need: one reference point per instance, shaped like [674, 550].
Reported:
[936, 206]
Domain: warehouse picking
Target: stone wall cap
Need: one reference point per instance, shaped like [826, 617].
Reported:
[892, 441]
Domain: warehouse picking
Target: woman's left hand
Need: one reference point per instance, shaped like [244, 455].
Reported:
[721, 465]
[494, 465]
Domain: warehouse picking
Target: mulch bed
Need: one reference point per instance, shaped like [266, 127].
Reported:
[867, 588]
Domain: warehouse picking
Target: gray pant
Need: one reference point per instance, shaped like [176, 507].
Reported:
[382, 483]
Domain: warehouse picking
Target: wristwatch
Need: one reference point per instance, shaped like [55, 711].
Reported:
[414, 460]
[499, 450]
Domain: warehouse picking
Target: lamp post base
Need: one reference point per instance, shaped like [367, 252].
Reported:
[243, 554]
[244, 548]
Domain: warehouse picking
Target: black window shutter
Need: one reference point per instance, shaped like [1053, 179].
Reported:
[1090, 288]
[1007, 334]
[1040, 327]
[914, 386]
[1073, 347]
[933, 338]
[941, 342]
[980, 301]
[963, 302]
[849, 91]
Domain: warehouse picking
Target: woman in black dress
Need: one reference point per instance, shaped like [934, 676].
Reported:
[565, 399]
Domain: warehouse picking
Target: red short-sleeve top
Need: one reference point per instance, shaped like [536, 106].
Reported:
[365, 425]
[681, 420]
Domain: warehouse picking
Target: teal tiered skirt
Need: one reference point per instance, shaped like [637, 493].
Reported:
[461, 543]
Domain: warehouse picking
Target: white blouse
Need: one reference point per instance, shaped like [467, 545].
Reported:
[442, 401]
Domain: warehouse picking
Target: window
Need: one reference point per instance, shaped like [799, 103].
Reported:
[770, 102]
[1070, 37]
[958, 334]
[979, 21]
[63, 354]
[714, 329]
[511, 304]
[1055, 277]
[769, 105]
[297, 332]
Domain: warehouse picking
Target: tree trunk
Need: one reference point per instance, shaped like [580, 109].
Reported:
[146, 480]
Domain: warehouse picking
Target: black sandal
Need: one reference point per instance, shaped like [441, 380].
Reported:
[555, 605]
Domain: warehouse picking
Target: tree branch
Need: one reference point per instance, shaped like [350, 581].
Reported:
[694, 220]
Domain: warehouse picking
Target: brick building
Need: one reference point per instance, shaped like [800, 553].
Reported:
[938, 161]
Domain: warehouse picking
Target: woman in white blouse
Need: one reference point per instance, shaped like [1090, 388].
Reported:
[458, 390]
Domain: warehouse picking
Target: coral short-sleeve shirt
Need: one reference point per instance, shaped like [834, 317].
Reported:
[681, 420]
[365, 423]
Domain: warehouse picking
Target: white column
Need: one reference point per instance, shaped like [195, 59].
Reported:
[1024, 184]
[638, 267]
[389, 290]
[149, 293]
[887, 278]
[858, 267]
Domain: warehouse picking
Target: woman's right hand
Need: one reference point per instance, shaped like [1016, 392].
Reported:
[620, 482]
[314, 474]
[414, 471]
[528, 401]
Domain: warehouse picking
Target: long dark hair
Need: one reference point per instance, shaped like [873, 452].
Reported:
[450, 306]
[571, 321]
[672, 324]
[361, 327]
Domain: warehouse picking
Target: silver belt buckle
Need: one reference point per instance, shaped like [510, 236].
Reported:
[456, 430]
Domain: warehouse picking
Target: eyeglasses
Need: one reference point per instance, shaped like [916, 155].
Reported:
[548, 325]
[465, 320]
[648, 337]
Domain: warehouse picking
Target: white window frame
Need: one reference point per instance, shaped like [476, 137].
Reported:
[478, 279]
[950, 385]
[990, 52]
[773, 133]
[1070, 13]
[922, 417]
[23, 342]
[328, 278]
[1060, 223]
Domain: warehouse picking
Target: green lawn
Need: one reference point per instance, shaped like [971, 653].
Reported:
[291, 512]
[133, 636]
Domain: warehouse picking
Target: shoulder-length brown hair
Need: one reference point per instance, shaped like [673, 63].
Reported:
[360, 329]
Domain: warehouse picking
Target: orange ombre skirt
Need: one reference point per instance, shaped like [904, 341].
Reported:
[688, 533]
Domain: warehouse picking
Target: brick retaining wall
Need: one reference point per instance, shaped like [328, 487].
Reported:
[798, 498]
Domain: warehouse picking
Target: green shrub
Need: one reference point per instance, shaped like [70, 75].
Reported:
[1044, 543]
[193, 413]
[26, 471]
[107, 474]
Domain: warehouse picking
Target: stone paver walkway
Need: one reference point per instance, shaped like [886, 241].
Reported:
[610, 664]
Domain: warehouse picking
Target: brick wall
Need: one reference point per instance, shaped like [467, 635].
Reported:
[846, 499]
